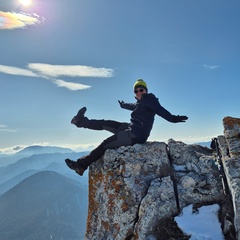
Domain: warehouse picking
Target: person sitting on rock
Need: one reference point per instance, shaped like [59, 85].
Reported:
[124, 134]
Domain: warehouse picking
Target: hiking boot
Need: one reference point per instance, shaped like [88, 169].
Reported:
[75, 166]
[79, 116]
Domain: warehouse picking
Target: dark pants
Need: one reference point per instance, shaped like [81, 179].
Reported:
[122, 137]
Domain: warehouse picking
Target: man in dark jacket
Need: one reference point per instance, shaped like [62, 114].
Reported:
[137, 131]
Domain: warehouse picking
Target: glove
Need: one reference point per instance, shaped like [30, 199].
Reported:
[180, 118]
[121, 103]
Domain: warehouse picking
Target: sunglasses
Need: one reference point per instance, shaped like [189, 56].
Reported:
[140, 90]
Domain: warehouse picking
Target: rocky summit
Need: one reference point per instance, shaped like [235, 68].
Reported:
[133, 189]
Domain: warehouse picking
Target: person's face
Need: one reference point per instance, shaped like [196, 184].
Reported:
[139, 92]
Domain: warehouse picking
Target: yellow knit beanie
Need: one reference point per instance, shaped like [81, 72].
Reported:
[140, 84]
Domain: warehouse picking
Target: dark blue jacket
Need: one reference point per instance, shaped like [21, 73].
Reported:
[142, 116]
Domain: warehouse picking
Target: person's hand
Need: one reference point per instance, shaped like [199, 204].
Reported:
[121, 103]
[180, 118]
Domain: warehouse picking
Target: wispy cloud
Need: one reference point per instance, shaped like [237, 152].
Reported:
[50, 72]
[196, 139]
[70, 70]
[4, 129]
[17, 148]
[12, 20]
[70, 85]
[210, 67]
[80, 147]
[17, 71]
[11, 150]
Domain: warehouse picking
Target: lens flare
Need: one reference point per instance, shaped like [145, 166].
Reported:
[25, 3]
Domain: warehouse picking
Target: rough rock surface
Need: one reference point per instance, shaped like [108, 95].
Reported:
[230, 149]
[132, 189]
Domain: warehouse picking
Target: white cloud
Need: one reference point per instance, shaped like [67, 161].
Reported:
[210, 67]
[196, 139]
[188, 140]
[49, 72]
[70, 70]
[11, 150]
[17, 148]
[3, 128]
[70, 85]
[80, 147]
[17, 71]
[11, 20]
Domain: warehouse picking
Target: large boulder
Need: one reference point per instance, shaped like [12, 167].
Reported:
[132, 189]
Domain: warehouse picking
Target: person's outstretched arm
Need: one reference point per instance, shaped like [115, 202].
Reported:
[162, 112]
[128, 106]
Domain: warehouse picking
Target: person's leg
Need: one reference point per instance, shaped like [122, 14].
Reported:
[114, 126]
[83, 122]
[122, 138]
[108, 125]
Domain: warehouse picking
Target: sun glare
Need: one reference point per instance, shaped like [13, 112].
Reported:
[25, 3]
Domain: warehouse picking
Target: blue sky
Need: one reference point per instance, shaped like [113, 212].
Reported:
[60, 55]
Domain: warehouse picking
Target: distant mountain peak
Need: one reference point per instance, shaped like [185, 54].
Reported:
[37, 149]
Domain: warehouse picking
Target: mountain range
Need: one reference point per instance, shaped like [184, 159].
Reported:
[31, 150]
[44, 206]
[25, 166]
[40, 197]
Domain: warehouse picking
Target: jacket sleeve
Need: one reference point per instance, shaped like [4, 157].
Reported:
[128, 106]
[162, 112]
